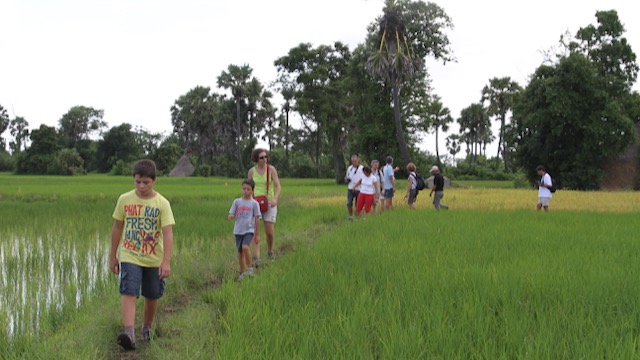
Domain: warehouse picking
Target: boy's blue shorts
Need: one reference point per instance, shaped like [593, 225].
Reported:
[135, 277]
[243, 240]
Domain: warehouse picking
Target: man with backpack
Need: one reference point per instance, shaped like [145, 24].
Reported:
[438, 189]
[545, 188]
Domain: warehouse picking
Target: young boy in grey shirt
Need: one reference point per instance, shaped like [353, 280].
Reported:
[247, 213]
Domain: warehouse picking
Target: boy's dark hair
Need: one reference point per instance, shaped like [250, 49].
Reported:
[389, 159]
[249, 182]
[256, 152]
[366, 170]
[146, 168]
[540, 167]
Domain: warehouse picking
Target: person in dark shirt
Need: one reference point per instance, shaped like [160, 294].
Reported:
[438, 189]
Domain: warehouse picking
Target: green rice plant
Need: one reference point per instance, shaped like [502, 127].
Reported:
[469, 285]
[472, 283]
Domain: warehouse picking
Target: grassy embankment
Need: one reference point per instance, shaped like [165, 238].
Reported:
[488, 279]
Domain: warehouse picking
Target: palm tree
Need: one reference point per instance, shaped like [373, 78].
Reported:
[439, 118]
[395, 63]
[288, 92]
[408, 32]
[475, 129]
[236, 79]
[500, 94]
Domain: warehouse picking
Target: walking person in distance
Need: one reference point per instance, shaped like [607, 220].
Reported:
[437, 189]
[544, 188]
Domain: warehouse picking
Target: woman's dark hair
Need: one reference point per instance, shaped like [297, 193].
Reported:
[366, 170]
[249, 182]
[256, 152]
[146, 168]
[540, 167]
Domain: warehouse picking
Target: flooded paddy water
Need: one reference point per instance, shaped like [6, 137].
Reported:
[42, 276]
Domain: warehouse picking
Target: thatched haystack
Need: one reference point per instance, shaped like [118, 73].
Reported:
[183, 167]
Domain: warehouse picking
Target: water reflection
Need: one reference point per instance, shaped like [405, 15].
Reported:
[39, 276]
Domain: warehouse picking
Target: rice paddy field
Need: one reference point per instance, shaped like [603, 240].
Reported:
[489, 279]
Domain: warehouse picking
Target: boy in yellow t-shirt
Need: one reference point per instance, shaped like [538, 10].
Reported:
[141, 244]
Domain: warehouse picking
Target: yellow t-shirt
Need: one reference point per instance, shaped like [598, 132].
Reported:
[261, 183]
[142, 242]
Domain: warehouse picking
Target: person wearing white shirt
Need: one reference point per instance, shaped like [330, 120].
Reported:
[354, 172]
[369, 191]
[544, 194]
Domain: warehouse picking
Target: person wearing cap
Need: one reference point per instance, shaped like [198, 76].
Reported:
[438, 188]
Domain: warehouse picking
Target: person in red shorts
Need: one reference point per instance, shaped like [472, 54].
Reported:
[369, 191]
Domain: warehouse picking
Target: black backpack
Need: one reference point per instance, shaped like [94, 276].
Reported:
[553, 186]
[420, 184]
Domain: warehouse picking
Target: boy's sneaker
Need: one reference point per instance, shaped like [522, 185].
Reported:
[241, 276]
[146, 333]
[270, 255]
[126, 341]
[249, 272]
[256, 260]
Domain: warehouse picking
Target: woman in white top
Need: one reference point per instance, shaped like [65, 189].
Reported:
[369, 190]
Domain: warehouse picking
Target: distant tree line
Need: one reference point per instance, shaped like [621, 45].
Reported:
[577, 112]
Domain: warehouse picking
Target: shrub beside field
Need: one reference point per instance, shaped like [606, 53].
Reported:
[489, 279]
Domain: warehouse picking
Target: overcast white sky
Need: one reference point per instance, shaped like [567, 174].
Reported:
[134, 58]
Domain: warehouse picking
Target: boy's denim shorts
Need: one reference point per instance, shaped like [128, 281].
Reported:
[135, 277]
[243, 240]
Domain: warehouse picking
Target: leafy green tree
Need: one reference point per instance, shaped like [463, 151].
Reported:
[407, 32]
[579, 112]
[4, 124]
[570, 123]
[66, 162]
[119, 143]
[166, 156]
[79, 122]
[438, 118]
[609, 52]
[149, 141]
[500, 95]
[45, 143]
[321, 98]
[203, 122]
[19, 129]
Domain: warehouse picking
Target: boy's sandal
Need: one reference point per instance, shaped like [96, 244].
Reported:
[126, 341]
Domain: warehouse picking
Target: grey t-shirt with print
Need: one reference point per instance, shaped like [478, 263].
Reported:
[245, 212]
